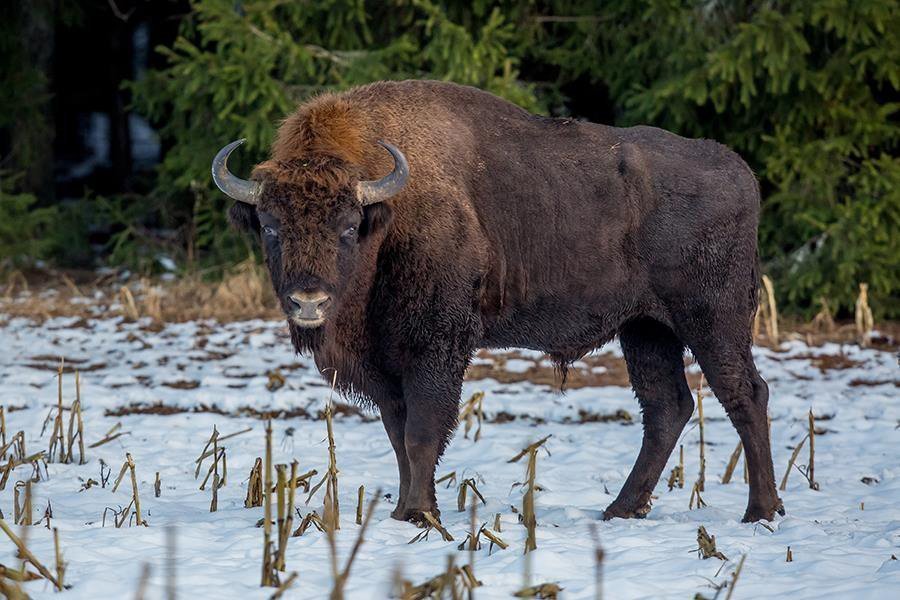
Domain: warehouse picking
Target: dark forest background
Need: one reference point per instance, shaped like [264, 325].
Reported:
[111, 110]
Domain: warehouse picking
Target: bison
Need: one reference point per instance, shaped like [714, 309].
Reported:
[407, 224]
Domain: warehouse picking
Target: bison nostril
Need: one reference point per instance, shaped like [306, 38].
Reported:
[309, 305]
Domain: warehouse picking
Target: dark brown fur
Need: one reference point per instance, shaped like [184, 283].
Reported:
[515, 230]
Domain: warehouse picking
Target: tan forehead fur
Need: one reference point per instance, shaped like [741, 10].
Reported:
[326, 125]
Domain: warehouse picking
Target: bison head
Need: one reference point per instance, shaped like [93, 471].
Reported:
[313, 215]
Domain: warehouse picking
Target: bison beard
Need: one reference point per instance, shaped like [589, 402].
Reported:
[512, 230]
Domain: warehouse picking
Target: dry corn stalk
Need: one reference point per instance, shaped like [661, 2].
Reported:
[285, 586]
[110, 435]
[810, 468]
[433, 522]
[529, 448]
[143, 581]
[695, 493]
[791, 462]
[128, 465]
[548, 591]
[706, 545]
[495, 539]
[2, 432]
[269, 573]
[26, 554]
[128, 304]
[22, 513]
[824, 321]
[864, 321]
[599, 555]
[255, 486]
[206, 452]
[461, 495]
[285, 510]
[768, 312]
[360, 495]
[311, 519]
[790, 555]
[153, 303]
[472, 412]
[340, 577]
[75, 417]
[450, 478]
[528, 517]
[676, 477]
[701, 479]
[330, 480]
[57, 438]
[449, 584]
[732, 463]
[734, 578]
[60, 564]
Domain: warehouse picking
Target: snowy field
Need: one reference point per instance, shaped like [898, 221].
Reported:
[843, 537]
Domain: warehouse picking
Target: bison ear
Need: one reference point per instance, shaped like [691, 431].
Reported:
[243, 216]
[375, 217]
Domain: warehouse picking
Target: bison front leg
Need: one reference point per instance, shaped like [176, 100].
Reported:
[431, 391]
[393, 417]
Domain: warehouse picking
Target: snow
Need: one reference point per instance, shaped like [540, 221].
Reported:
[842, 537]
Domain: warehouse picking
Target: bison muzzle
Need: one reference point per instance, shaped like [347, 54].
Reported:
[407, 224]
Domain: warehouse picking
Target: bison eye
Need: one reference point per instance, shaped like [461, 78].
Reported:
[348, 234]
[270, 231]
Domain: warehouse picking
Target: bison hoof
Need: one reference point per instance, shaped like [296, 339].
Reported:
[621, 512]
[758, 513]
[415, 515]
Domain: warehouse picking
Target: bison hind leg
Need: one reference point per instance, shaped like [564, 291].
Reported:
[654, 356]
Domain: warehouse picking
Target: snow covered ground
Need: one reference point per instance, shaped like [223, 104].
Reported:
[842, 537]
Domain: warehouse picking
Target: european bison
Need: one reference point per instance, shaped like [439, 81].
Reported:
[407, 224]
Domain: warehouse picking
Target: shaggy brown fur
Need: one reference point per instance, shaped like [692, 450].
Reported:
[514, 230]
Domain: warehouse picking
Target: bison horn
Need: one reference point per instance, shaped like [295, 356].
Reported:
[239, 189]
[372, 192]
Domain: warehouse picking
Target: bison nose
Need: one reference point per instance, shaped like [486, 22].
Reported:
[309, 306]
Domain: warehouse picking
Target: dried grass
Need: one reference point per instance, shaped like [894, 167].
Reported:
[863, 316]
[243, 293]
